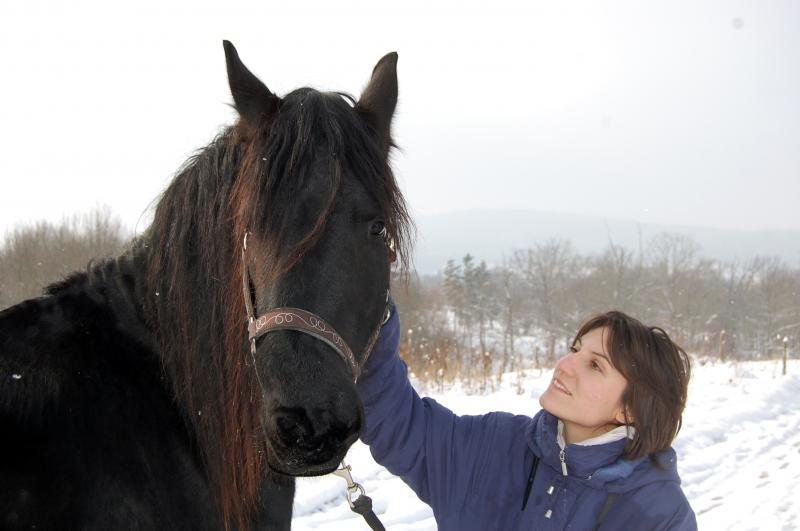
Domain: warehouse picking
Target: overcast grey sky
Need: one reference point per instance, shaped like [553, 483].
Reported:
[667, 112]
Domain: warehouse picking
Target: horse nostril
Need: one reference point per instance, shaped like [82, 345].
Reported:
[317, 431]
[347, 414]
[293, 428]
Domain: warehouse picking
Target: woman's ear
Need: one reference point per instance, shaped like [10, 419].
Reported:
[623, 416]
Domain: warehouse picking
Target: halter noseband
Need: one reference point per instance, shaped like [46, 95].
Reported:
[287, 318]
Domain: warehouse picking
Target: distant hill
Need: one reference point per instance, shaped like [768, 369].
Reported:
[491, 234]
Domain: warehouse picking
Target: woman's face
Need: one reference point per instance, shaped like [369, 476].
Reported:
[586, 390]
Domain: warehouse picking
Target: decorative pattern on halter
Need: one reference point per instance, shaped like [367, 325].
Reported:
[308, 323]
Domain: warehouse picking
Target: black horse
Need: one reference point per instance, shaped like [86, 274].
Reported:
[131, 396]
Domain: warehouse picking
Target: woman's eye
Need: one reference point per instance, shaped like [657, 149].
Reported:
[378, 229]
[573, 349]
[596, 366]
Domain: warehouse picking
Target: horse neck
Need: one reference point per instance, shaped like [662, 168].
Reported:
[84, 324]
[125, 292]
[114, 286]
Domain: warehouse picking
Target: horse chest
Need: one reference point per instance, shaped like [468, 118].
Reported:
[97, 462]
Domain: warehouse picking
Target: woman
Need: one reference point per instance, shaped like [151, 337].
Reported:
[596, 456]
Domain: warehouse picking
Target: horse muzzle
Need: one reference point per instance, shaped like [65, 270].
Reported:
[304, 442]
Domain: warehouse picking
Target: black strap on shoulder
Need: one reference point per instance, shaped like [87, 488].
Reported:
[531, 477]
[363, 506]
[610, 499]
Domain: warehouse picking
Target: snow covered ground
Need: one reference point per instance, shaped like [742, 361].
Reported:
[739, 454]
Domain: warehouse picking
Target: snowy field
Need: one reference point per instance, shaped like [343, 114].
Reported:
[739, 454]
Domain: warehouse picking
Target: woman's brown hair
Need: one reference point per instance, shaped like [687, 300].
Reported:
[657, 371]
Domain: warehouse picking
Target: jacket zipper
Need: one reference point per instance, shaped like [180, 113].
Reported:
[563, 458]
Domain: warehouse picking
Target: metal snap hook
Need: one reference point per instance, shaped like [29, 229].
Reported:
[352, 487]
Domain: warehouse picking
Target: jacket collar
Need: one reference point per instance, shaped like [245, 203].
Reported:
[582, 460]
[600, 466]
[620, 432]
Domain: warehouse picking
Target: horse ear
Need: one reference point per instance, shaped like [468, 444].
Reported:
[379, 99]
[252, 98]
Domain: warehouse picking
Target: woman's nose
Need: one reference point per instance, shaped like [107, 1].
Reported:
[566, 365]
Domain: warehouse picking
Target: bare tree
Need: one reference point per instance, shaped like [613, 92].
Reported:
[36, 255]
[547, 271]
[673, 258]
[734, 304]
[510, 306]
[776, 310]
[616, 279]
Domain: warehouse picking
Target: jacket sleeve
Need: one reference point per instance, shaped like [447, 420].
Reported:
[682, 520]
[441, 456]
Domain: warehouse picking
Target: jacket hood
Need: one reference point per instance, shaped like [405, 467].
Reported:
[600, 466]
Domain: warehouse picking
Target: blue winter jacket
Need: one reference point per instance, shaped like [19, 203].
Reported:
[473, 470]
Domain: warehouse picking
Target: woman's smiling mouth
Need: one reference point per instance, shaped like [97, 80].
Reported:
[561, 387]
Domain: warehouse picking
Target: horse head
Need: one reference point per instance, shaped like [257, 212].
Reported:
[317, 212]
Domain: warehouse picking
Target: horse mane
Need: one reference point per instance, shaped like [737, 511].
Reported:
[244, 181]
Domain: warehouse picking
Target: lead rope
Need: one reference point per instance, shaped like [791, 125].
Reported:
[362, 504]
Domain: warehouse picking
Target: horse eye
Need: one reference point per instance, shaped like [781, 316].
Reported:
[378, 229]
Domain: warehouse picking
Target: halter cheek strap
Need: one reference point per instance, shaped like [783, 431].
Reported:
[299, 320]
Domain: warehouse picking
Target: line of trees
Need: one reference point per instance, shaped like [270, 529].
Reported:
[474, 323]
[33, 256]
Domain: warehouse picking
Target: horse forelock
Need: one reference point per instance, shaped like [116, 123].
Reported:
[280, 160]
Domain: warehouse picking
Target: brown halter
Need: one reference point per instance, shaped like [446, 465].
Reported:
[286, 318]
